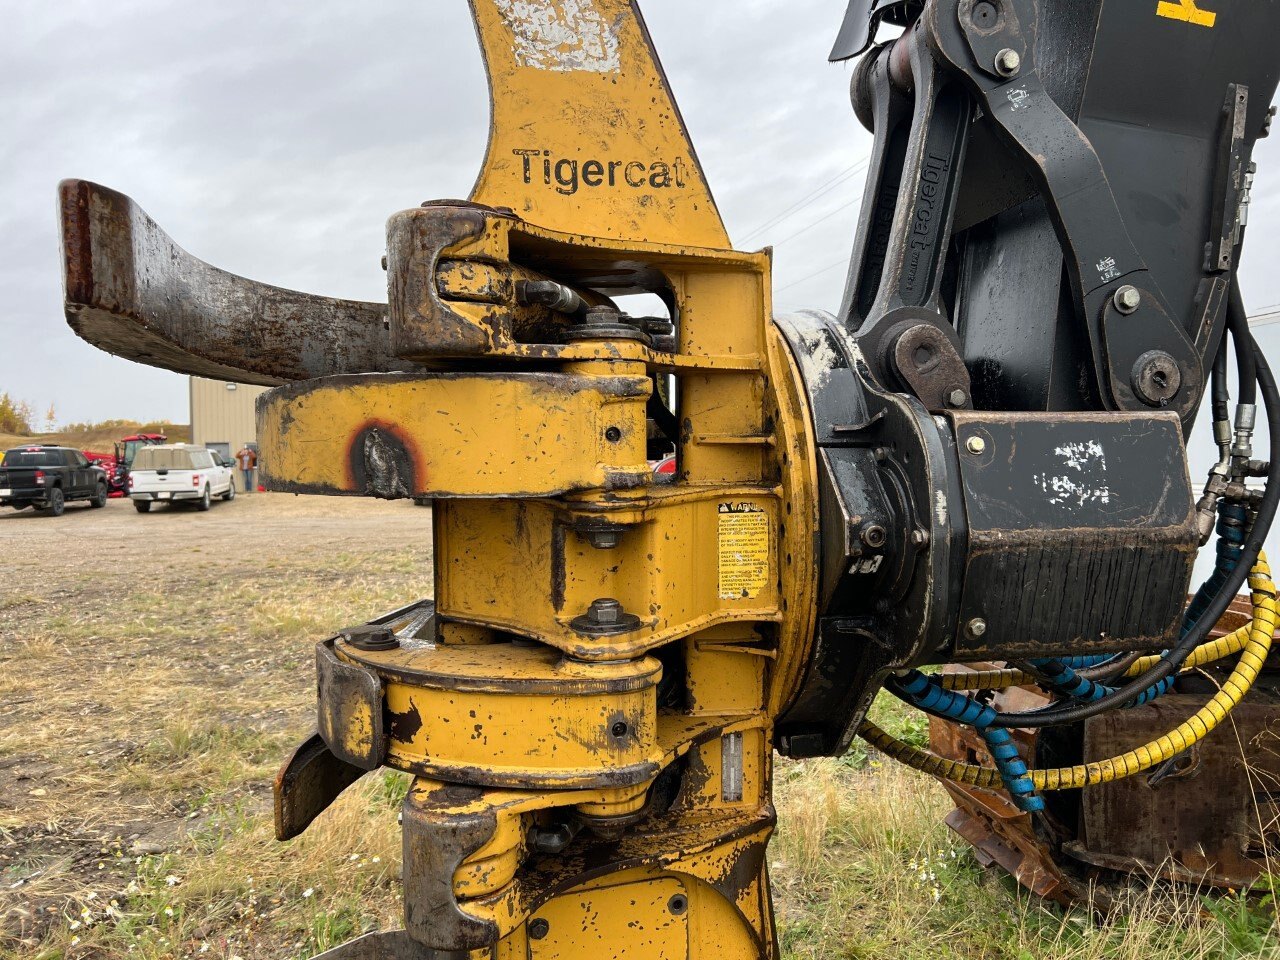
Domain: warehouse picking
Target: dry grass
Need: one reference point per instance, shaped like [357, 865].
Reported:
[145, 704]
[865, 868]
[97, 436]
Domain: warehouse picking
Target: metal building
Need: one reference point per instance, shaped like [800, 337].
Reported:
[222, 414]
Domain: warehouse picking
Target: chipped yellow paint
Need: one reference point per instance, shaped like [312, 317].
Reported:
[1188, 11]
[585, 135]
[510, 715]
[474, 435]
[665, 567]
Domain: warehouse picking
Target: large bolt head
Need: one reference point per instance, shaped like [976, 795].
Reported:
[602, 316]
[1128, 299]
[1008, 62]
[603, 539]
[957, 398]
[874, 535]
[977, 627]
[605, 610]
[976, 446]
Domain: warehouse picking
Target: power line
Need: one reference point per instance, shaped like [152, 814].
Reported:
[817, 273]
[823, 219]
[809, 198]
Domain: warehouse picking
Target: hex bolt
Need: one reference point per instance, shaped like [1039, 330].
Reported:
[372, 637]
[604, 538]
[976, 445]
[604, 617]
[957, 398]
[605, 322]
[538, 928]
[919, 538]
[976, 627]
[604, 611]
[1008, 62]
[678, 904]
[602, 316]
[1127, 299]
[874, 535]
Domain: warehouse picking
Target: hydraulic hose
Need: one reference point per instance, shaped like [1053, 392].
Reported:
[1206, 653]
[914, 688]
[1245, 347]
[1220, 397]
[1234, 689]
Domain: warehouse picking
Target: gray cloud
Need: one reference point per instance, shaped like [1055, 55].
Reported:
[274, 139]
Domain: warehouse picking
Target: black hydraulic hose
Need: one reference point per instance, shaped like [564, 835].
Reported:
[1109, 671]
[1220, 401]
[1246, 349]
[1173, 660]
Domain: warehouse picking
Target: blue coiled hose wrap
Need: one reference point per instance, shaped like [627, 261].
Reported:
[921, 692]
[1060, 674]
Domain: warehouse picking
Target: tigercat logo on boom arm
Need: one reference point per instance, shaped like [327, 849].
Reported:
[568, 175]
[1188, 11]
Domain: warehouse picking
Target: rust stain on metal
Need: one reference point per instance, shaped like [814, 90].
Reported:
[1210, 819]
[132, 291]
[403, 727]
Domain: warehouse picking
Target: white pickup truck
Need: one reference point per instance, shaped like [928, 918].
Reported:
[179, 472]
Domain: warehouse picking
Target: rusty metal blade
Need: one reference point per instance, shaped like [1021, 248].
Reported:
[132, 291]
[310, 780]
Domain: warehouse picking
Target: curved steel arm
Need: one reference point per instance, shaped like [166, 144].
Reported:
[132, 291]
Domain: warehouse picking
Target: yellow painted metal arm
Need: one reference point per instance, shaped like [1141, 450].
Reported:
[585, 135]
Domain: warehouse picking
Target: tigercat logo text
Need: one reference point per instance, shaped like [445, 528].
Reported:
[1187, 11]
[568, 175]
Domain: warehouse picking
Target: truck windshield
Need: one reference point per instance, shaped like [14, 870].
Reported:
[33, 458]
[163, 458]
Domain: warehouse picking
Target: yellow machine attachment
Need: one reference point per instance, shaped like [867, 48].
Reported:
[587, 704]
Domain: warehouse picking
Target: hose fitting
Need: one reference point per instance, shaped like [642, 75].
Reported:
[1246, 421]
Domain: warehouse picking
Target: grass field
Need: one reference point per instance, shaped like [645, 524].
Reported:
[154, 670]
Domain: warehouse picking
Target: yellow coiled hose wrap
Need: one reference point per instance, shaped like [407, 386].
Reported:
[1252, 642]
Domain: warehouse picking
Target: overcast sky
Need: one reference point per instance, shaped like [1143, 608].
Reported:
[274, 139]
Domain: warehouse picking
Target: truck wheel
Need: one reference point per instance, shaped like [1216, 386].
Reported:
[231, 492]
[99, 497]
[206, 501]
[142, 506]
[57, 503]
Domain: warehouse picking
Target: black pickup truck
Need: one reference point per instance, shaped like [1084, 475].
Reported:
[48, 477]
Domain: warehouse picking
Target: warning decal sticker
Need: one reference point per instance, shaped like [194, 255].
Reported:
[744, 550]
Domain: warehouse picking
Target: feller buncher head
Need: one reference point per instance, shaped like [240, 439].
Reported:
[591, 702]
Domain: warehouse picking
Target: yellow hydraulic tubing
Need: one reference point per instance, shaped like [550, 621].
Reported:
[1210, 652]
[1261, 629]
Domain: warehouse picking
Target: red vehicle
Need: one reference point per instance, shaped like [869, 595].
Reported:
[118, 464]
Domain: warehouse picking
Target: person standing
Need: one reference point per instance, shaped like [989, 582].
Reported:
[247, 460]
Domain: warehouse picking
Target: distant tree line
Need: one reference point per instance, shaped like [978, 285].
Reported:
[16, 416]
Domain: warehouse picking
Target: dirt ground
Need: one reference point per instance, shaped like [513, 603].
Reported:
[154, 670]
